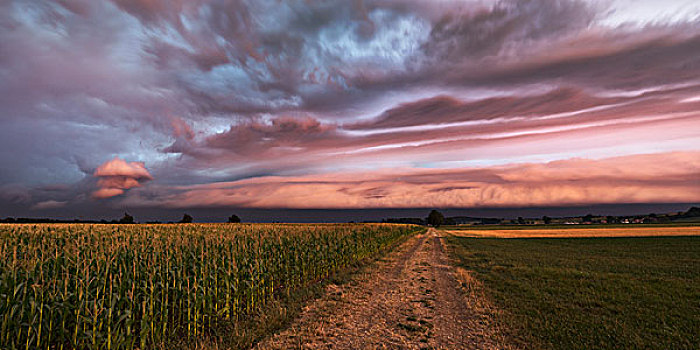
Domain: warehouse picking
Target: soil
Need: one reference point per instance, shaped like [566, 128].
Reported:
[411, 299]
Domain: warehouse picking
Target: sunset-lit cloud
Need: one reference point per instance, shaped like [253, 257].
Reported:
[210, 92]
[116, 176]
[667, 178]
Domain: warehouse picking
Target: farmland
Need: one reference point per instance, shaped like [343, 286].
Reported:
[574, 231]
[209, 286]
[588, 293]
[143, 286]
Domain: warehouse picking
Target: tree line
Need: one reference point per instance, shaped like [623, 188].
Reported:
[126, 219]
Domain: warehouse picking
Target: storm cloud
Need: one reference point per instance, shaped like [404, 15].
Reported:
[212, 92]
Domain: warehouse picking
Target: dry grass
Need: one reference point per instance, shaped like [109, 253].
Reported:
[484, 310]
[581, 232]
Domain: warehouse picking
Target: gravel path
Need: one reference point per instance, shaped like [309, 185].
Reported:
[412, 299]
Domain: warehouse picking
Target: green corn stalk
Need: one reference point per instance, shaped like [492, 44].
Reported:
[122, 287]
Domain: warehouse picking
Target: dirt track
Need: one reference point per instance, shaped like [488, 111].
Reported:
[410, 300]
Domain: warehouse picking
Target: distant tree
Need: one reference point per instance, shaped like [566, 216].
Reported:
[435, 218]
[234, 219]
[450, 221]
[588, 218]
[663, 220]
[692, 212]
[413, 221]
[547, 220]
[186, 219]
[611, 219]
[127, 219]
[521, 221]
[491, 221]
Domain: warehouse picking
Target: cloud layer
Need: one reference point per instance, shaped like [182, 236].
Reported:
[665, 178]
[210, 93]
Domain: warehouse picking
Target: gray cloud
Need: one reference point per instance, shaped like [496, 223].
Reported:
[49, 204]
[506, 29]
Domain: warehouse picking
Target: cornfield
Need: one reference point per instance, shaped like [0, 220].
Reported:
[73, 286]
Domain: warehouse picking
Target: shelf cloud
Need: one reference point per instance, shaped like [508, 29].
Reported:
[666, 178]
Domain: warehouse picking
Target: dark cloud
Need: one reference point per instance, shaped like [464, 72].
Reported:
[258, 136]
[506, 28]
[663, 56]
[15, 193]
[444, 109]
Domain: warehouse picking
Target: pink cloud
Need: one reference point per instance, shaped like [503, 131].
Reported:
[555, 124]
[666, 177]
[116, 176]
[118, 167]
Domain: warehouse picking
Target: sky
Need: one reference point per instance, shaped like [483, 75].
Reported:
[286, 109]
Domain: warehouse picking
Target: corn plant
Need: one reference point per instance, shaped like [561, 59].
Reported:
[76, 286]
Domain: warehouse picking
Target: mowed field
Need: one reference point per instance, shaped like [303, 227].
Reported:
[576, 231]
[590, 292]
[78, 286]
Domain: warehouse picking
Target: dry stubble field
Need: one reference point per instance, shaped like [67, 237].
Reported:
[579, 232]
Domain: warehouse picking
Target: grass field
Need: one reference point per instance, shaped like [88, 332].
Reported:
[66, 286]
[590, 293]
